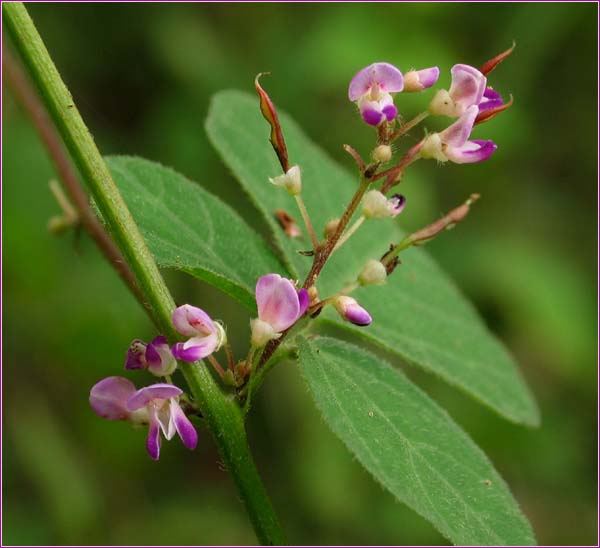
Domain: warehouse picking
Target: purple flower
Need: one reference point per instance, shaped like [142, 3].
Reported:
[205, 335]
[279, 304]
[351, 311]
[453, 144]
[116, 398]
[376, 206]
[164, 413]
[371, 89]
[418, 80]
[467, 88]
[155, 356]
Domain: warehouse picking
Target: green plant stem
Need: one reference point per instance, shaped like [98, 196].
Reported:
[222, 414]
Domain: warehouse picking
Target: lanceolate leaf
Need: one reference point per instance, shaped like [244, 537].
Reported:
[191, 230]
[411, 446]
[419, 315]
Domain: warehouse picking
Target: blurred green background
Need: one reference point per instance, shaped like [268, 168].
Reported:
[142, 76]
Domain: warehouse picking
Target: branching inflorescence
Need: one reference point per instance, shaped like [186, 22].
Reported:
[284, 306]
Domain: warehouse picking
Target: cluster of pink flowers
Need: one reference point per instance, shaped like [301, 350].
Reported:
[157, 405]
[468, 97]
[280, 305]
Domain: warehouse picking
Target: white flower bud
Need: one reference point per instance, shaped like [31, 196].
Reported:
[382, 153]
[375, 205]
[373, 273]
[262, 333]
[291, 181]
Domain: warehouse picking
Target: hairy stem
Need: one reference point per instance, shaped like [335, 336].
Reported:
[222, 415]
[404, 128]
[324, 252]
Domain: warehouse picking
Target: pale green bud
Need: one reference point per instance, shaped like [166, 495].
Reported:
[374, 273]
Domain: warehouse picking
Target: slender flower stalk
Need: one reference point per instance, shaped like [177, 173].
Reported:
[407, 126]
[216, 366]
[357, 224]
[307, 222]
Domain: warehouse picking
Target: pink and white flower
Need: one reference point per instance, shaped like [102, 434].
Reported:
[371, 89]
[453, 143]
[280, 304]
[116, 398]
[467, 89]
[206, 336]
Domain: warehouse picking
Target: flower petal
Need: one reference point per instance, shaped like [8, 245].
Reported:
[390, 112]
[190, 321]
[153, 438]
[471, 152]
[468, 85]
[277, 301]
[303, 300]
[370, 112]
[184, 427]
[195, 348]
[159, 391]
[457, 134]
[357, 315]
[491, 99]
[388, 77]
[108, 398]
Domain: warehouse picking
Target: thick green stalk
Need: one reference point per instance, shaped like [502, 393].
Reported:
[222, 414]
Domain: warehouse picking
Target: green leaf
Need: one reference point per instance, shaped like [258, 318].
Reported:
[420, 315]
[411, 446]
[190, 230]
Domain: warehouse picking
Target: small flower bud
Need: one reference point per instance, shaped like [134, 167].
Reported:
[331, 227]
[376, 206]
[418, 80]
[262, 333]
[313, 294]
[374, 273]
[382, 153]
[351, 311]
[291, 181]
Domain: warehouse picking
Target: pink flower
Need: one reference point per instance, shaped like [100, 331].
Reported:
[115, 398]
[453, 144]
[205, 335]
[371, 89]
[467, 89]
[279, 304]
